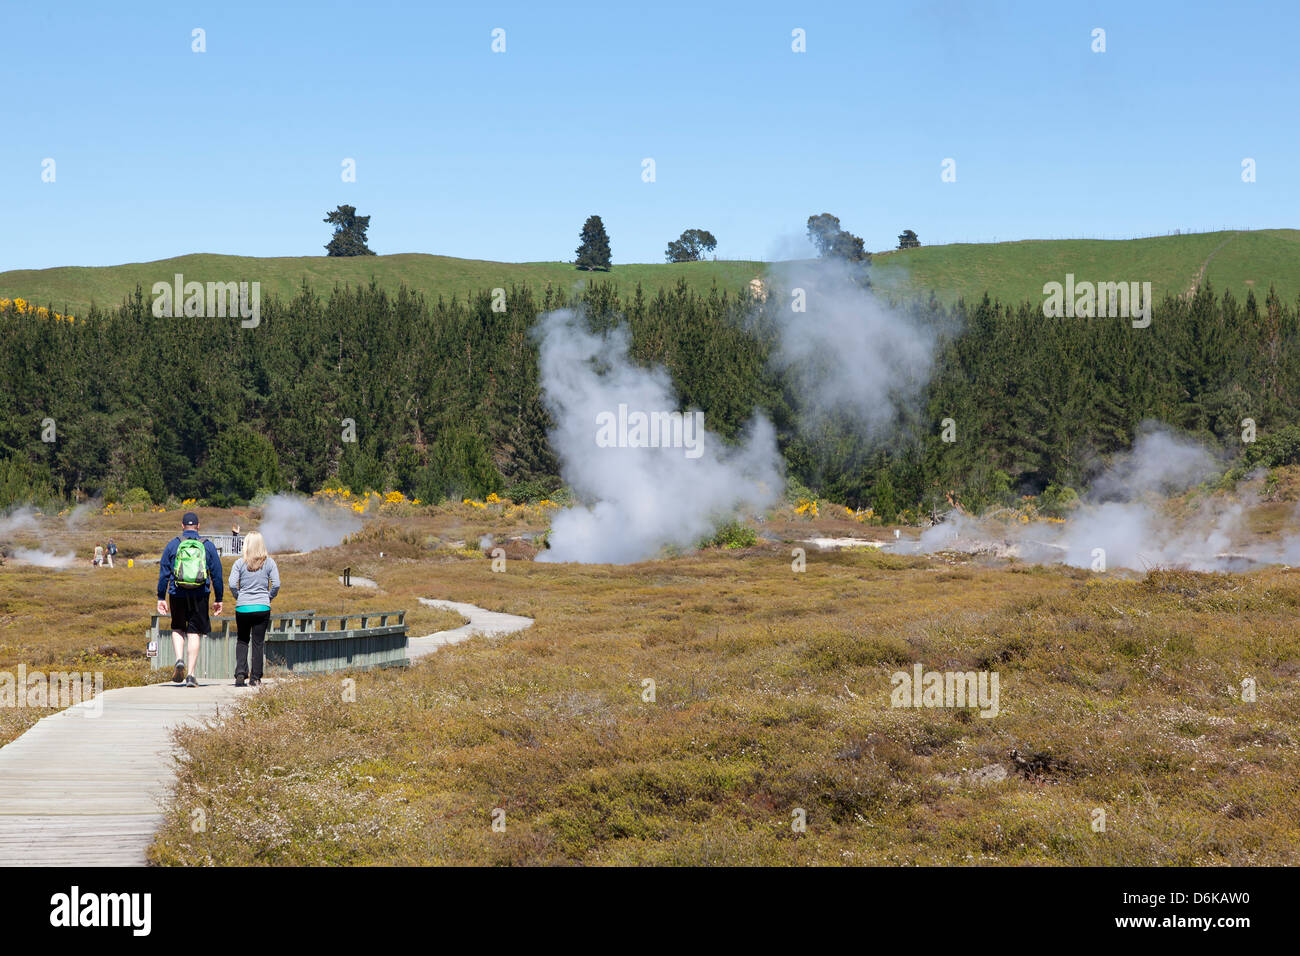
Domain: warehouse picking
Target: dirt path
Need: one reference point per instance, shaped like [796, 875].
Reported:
[1200, 273]
[490, 623]
[360, 582]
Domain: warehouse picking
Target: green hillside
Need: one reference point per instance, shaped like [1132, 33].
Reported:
[77, 286]
[1010, 271]
[1016, 271]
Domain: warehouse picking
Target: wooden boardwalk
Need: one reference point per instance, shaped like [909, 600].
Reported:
[84, 790]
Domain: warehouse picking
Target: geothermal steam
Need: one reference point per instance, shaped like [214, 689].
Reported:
[24, 519]
[296, 524]
[45, 559]
[1123, 516]
[20, 519]
[637, 500]
[851, 357]
[852, 361]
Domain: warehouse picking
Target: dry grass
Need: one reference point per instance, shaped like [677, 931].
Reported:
[1118, 692]
[772, 694]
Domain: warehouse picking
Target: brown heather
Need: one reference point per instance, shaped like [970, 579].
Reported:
[1119, 692]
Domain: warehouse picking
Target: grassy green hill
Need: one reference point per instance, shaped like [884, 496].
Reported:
[1011, 271]
[1015, 271]
[77, 286]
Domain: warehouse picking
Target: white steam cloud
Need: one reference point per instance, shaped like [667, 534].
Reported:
[78, 513]
[1160, 462]
[45, 559]
[20, 519]
[24, 520]
[1126, 516]
[849, 353]
[636, 499]
[297, 524]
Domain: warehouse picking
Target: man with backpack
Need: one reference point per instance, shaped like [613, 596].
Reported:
[190, 570]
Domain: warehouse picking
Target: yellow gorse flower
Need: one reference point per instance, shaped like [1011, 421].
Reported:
[806, 507]
[22, 307]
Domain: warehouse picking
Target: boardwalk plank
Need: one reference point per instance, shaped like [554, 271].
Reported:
[82, 788]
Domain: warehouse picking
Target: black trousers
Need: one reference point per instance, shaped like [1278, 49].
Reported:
[250, 624]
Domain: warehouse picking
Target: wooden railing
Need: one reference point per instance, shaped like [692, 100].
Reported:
[297, 641]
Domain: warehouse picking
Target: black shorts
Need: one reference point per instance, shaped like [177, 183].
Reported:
[190, 612]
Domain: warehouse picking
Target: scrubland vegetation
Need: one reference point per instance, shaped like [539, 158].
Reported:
[771, 695]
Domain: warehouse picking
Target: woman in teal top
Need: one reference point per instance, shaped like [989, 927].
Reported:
[255, 581]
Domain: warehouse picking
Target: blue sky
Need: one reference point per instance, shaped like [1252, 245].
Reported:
[161, 151]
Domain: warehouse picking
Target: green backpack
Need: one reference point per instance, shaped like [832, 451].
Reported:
[190, 567]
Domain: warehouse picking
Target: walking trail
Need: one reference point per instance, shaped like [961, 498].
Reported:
[84, 790]
[1200, 273]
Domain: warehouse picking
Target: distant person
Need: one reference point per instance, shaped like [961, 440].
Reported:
[190, 570]
[98, 560]
[110, 551]
[235, 543]
[254, 581]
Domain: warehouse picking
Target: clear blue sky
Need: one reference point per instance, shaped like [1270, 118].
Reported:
[161, 151]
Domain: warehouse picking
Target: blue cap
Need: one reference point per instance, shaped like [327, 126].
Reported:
[190, 520]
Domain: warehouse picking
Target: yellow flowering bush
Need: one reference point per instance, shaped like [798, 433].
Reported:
[22, 307]
[525, 512]
[396, 503]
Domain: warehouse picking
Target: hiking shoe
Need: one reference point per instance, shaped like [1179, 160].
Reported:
[191, 682]
[178, 674]
[239, 682]
[255, 682]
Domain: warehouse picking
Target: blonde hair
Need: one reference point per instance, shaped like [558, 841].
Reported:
[255, 553]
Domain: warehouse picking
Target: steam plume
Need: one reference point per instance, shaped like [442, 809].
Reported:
[295, 524]
[24, 519]
[853, 358]
[637, 500]
[45, 559]
[1126, 516]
